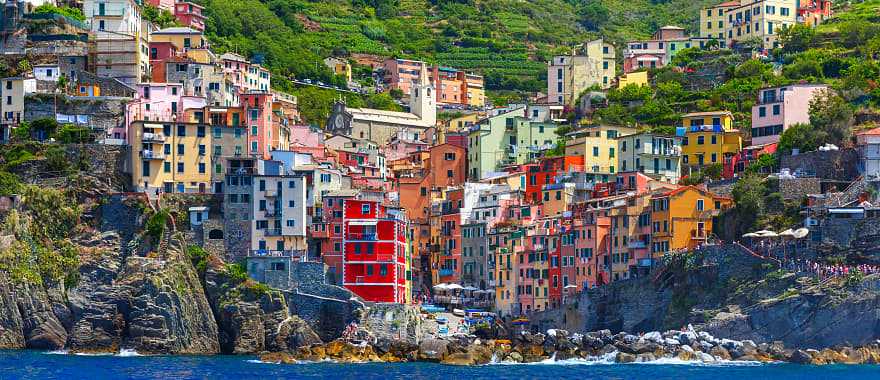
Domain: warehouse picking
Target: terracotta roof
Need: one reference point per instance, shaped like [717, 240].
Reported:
[870, 132]
[727, 4]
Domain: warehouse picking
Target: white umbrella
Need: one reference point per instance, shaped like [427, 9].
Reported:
[801, 233]
[470, 288]
[454, 287]
[786, 233]
[441, 286]
[766, 233]
[570, 286]
[750, 235]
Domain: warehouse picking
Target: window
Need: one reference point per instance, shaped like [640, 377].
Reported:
[595, 151]
[449, 173]
[714, 139]
[167, 167]
[218, 132]
[611, 152]
[201, 167]
[449, 156]
[180, 149]
[167, 148]
[181, 130]
[201, 149]
[776, 109]
[700, 205]
[365, 209]
[700, 140]
[200, 131]
[762, 112]
[291, 223]
[180, 167]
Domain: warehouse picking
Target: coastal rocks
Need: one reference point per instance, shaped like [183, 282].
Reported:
[252, 320]
[11, 332]
[337, 351]
[168, 312]
[42, 328]
[433, 349]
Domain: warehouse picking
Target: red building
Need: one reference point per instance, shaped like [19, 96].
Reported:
[328, 237]
[736, 164]
[190, 14]
[374, 252]
[545, 172]
[259, 117]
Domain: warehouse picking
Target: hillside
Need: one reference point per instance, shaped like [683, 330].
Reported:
[508, 41]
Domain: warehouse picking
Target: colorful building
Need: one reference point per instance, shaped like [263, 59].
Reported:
[374, 252]
[569, 75]
[655, 155]
[779, 108]
[598, 145]
[708, 138]
[681, 219]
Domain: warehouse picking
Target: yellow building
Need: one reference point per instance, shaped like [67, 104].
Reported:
[456, 124]
[638, 78]
[556, 198]
[709, 138]
[476, 93]
[339, 67]
[681, 219]
[708, 119]
[598, 146]
[170, 157]
[183, 38]
[713, 20]
[742, 20]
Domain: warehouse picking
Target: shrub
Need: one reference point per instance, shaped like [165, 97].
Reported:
[156, 224]
[198, 256]
[237, 272]
[9, 183]
[56, 161]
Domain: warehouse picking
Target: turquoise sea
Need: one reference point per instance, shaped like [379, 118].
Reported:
[42, 365]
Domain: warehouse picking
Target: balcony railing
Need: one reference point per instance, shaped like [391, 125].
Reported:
[241, 170]
[151, 155]
[272, 232]
[272, 212]
[366, 236]
[150, 137]
[276, 253]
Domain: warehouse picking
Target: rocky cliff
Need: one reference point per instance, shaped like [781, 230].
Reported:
[129, 292]
[727, 292]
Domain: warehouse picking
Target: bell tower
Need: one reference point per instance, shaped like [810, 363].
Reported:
[423, 98]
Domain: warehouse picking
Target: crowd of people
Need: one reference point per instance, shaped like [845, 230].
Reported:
[826, 271]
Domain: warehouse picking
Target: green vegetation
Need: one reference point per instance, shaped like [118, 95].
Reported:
[161, 17]
[41, 251]
[155, 226]
[507, 41]
[74, 13]
[199, 258]
[831, 121]
[237, 272]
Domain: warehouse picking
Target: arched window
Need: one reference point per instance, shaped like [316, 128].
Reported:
[215, 234]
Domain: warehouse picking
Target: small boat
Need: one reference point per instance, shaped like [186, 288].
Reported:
[458, 312]
[520, 321]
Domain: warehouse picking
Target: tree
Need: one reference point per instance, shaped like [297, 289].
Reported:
[9, 183]
[593, 14]
[796, 38]
[832, 114]
[802, 137]
[748, 197]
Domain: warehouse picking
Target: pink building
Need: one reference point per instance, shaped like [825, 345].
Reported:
[402, 73]
[167, 5]
[258, 118]
[779, 108]
[190, 14]
[163, 102]
[305, 136]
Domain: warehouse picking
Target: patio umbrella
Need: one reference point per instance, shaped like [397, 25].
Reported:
[750, 235]
[801, 233]
[441, 286]
[469, 288]
[787, 234]
[454, 287]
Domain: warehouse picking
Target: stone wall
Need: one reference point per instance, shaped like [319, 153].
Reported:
[841, 165]
[394, 322]
[326, 316]
[723, 187]
[105, 163]
[104, 113]
[797, 188]
[214, 245]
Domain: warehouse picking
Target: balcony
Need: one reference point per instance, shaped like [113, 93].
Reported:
[637, 244]
[272, 232]
[153, 137]
[276, 253]
[241, 170]
[446, 272]
[273, 212]
[271, 193]
[151, 155]
[363, 236]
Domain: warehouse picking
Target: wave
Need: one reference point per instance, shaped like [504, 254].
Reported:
[610, 359]
[123, 353]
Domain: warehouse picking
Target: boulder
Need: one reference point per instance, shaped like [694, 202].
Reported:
[720, 353]
[646, 357]
[433, 349]
[800, 357]
[623, 357]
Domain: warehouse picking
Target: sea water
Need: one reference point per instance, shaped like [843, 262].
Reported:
[128, 365]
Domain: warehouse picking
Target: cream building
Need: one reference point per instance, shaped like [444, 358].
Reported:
[569, 75]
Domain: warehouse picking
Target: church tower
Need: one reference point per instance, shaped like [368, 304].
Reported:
[423, 98]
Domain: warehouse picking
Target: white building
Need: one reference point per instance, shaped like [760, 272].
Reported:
[278, 226]
[48, 73]
[120, 39]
